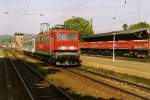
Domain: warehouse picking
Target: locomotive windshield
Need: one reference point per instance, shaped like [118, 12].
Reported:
[62, 36]
[71, 36]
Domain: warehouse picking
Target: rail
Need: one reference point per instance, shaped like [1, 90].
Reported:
[105, 83]
[64, 94]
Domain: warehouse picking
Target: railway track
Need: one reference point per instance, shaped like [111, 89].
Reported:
[141, 92]
[123, 86]
[37, 86]
[5, 88]
[16, 87]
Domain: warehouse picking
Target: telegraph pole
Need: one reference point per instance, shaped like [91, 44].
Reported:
[91, 23]
[114, 40]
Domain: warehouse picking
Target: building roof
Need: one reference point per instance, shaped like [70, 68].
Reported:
[117, 33]
[120, 35]
[134, 31]
[19, 34]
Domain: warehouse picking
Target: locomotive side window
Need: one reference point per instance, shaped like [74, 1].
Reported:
[71, 36]
[62, 36]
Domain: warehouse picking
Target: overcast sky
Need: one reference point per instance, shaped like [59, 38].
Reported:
[24, 15]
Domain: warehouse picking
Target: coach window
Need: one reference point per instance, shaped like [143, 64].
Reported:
[46, 38]
[62, 36]
[71, 36]
[36, 40]
[43, 39]
[40, 39]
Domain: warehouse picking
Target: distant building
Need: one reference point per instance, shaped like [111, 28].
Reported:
[19, 40]
[8, 45]
[0, 45]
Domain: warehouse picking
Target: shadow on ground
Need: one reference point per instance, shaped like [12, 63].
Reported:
[54, 71]
[85, 97]
[45, 70]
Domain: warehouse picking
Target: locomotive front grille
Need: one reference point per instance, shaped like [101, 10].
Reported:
[65, 58]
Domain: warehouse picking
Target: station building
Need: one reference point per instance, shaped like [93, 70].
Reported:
[19, 40]
[8, 45]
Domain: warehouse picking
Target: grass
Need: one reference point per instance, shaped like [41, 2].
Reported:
[1, 52]
[43, 70]
[125, 77]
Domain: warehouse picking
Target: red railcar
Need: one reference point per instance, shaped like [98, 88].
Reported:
[127, 43]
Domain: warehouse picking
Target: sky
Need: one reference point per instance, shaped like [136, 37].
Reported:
[25, 15]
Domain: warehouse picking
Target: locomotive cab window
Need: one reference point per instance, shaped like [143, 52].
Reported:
[72, 36]
[61, 36]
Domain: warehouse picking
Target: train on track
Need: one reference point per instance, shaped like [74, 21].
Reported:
[132, 43]
[57, 45]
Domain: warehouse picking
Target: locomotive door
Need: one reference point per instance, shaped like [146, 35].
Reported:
[148, 31]
[51, 40]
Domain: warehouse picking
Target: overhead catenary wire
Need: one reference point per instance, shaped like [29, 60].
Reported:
[80, 5]
[139, 9]
[62, 6]
[23, 13]
[27, 6]
[62, 9]
[65, 12]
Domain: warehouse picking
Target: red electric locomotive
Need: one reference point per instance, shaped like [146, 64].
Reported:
[57, 45]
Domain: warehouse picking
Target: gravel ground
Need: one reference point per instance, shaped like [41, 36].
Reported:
[85, 87]
[140, 69]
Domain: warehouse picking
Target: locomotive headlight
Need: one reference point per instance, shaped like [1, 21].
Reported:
[62, 47]
[71, 47]
[67, 47]
[59, 48]
[75, 48]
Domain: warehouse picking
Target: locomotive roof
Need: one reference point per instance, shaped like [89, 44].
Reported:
[19, 34]
[55, 30]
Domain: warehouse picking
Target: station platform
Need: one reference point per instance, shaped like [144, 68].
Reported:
[135, 68]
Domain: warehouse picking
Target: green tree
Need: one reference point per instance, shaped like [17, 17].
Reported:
[140, 25]
[125, 26]
[79, 24]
